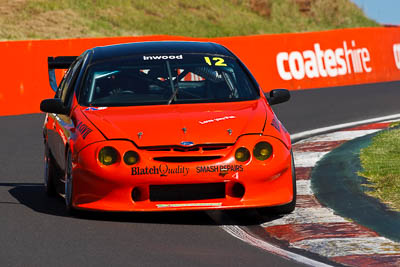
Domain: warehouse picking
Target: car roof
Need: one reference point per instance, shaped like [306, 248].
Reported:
[157, 48]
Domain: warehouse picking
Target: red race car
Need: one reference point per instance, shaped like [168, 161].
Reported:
[161, 126]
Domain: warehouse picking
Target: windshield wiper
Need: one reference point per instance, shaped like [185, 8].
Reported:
[175, 91]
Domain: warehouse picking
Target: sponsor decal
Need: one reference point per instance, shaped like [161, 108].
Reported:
[217, 119]
[323, 63]
[94, 108]
[83, 129]
[162, 57]
[219, 168]
[217, 61]
[396, 52]
[187, 143]
[162, 170]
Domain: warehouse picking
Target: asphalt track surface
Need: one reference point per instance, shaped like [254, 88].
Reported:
[36, 231]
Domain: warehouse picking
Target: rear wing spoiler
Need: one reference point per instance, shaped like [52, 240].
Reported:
[58, 63]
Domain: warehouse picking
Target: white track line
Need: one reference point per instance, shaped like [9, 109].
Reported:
[304, 187]
[307, 159]
[298, 136]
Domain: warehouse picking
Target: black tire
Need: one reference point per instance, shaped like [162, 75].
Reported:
[287, 208]
[49, 173]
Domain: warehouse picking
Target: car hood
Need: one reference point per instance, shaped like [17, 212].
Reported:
[214, 123]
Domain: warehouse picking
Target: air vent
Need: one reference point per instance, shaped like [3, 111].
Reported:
[206, 147]
[210, 148]
[186, 159]
[182, 192]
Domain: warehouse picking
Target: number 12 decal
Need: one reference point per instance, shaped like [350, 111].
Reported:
[218, 61]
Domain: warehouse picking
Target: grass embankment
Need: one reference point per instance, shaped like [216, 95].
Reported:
[381, 163]
[44, 19]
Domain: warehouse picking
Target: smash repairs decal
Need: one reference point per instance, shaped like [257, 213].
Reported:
[162, 170]
[219, 168]
[83, 129]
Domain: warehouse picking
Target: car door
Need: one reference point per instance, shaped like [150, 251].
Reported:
[63, 125]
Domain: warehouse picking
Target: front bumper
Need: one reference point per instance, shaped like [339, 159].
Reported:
[132, 188]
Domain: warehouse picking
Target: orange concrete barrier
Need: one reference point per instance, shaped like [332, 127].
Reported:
[292, 61]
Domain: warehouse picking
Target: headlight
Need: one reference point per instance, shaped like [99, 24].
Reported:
[108, 155]
[262, 150]
[242, 154]
[131, 157]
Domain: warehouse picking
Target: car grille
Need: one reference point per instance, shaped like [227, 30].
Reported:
[184, 192]
[200, 148]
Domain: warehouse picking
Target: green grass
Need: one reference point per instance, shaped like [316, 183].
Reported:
[43, 19]
[381, 163]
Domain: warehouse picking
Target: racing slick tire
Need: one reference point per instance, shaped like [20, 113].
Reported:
[49, 173]
[287, 208]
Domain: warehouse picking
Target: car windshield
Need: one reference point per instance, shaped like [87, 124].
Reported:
[166, 79]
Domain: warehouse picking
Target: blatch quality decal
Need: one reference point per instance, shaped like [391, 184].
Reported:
[83, 129]
[219, 168]
[162, 170]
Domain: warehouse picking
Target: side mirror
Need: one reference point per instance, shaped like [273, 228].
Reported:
[53, 105]
[278, 96]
